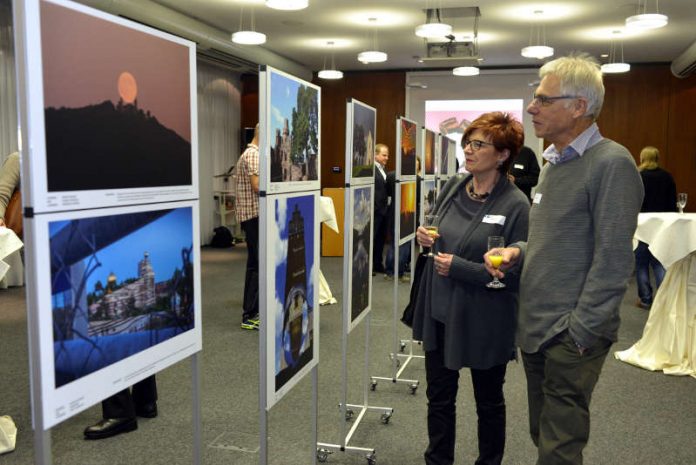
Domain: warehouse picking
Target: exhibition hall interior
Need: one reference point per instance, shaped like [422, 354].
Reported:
[293, 232]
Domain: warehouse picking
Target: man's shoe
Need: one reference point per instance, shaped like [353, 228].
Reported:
[148, 410]
[251, 323]
[110, 427]
[388, 277]
[641, 304]
[404, 279]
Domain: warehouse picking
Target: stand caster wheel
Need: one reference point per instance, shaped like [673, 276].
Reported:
[373, 385]
[386, 417]
[349, 414]
[323, 455]
[414, 388]
[371, 459]
[402, 347]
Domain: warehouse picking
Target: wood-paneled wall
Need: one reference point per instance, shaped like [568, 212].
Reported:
[385, 91]
[647, 106]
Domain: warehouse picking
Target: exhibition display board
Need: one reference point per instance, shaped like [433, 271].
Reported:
[361, 129]
[108, 111]
[289, 230]
[112, 109]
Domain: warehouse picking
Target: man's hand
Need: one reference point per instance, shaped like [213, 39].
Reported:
[510, 257]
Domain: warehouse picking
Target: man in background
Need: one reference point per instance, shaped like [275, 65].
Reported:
[578, 257]
[381, 207]
[525, 171]
[247, 213]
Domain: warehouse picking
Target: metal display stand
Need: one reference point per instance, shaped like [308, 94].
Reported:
[397, 367]
[347, 411]
[42, 434]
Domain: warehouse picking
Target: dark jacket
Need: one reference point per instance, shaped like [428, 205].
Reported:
[481, 323]
[525, 169]
[381, 194]
[660, 191]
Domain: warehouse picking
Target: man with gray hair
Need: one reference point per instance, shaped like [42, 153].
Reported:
[578, 257]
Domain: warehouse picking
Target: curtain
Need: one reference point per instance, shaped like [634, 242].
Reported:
[219, 103]
[8, 93]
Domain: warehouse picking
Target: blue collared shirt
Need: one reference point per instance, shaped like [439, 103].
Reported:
[577, 148]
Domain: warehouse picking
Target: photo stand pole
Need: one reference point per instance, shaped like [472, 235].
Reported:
[405, 358]
[397, 367]
[347, 411]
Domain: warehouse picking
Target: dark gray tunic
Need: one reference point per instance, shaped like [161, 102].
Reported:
[479, 323]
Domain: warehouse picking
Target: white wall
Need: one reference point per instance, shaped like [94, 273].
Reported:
[494, 84]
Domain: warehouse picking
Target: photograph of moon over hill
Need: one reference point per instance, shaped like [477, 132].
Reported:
[117, 104]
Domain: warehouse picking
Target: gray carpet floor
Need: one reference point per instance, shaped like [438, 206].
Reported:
[638, 417]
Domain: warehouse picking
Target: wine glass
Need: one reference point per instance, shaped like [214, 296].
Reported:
[496, 245]
[681, 201]
[430, 224]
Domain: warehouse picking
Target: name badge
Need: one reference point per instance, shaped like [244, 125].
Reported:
[518, 166]
[494, 219]
[537, 198]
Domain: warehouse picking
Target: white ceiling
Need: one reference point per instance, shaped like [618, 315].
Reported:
[504, 28]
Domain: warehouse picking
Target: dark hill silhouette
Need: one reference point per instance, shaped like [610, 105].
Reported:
[112, 147]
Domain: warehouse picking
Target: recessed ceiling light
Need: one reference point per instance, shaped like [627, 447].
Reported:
[466, 71]
[433, 30]
[287, 4]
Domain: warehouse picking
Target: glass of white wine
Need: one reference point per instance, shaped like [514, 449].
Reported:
[496, 244]
[681, 201]
[430, 224]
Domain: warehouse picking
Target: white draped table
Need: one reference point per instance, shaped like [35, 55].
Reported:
[669, 338]
[327, 215]
[11, 267]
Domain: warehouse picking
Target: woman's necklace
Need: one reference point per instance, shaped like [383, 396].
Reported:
[473, 195]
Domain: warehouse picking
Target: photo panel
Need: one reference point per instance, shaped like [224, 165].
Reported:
[407, 143]
[428, 197]
[361, 129]
[429, 153]
[407, 211]
[359, 257]
[290, 251]
[289, 120]
[452, 157]
[444, 158]
[111, 106]
[124, 300]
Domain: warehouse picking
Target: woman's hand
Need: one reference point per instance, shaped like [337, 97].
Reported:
[442, 263]
[423, 238]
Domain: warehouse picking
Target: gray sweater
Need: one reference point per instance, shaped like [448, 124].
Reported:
[479, 322]
[579, 254]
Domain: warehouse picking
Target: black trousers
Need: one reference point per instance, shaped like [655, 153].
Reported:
[122, 404]
[250, 306]
[378, 243]
[443, 385]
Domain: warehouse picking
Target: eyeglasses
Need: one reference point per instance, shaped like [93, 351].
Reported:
[475, 144]
[545, 101]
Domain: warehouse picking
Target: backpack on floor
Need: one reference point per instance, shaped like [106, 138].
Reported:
[222, 238]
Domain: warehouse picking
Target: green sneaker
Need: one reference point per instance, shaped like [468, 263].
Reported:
[251, 324]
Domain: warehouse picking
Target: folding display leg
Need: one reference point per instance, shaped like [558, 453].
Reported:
[347, 411]
[397, 367]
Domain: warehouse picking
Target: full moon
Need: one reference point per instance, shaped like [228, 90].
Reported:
[127, 87]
